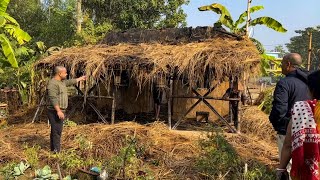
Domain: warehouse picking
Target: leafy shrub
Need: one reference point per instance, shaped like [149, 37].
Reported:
[45, 173]
[266, 104]
[219, 158]
[31, 154]
[13, 170]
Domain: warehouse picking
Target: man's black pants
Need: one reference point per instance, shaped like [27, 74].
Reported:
[56, 130]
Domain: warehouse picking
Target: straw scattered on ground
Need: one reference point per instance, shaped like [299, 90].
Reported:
[176, 150]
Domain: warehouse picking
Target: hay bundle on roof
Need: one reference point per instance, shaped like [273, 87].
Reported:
[221, 56]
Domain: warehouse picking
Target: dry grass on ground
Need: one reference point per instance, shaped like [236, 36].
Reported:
[176, 151]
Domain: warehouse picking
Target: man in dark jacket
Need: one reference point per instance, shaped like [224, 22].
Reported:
[288, 90]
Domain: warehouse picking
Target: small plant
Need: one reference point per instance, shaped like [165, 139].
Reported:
[126, 164]
[45, 173]
[84, 143]
[31, 154]
[69, 123]
[266, 104]
[20, 169]
[13, 170]
[219, 158]
[70, 160]
[259, 171]
[7, 170]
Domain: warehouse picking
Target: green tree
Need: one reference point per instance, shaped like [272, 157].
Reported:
[300, 44]
[238, 26]
[281, 50]
[126, 14]
[11, 36]
[51, 21]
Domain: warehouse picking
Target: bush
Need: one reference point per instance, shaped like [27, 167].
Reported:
[219, 160]
[266, 104]
[31, 154]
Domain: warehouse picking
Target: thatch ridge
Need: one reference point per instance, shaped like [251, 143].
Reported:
[167, 36]
[223, 57]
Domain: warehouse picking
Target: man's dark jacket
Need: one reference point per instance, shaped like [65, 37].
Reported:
[289, 90]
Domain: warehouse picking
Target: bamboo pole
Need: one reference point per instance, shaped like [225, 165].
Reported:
[248, 17]
[230, 105]
[309, 50]
[79, 16]
[170, 103]
[113, 108]
[238, 124]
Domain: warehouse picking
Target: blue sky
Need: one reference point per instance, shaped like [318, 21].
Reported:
[293, 14]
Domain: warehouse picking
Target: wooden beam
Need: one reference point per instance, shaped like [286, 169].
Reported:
[170, 102]
[97, 112]
[190, 109]
[97, 97]
[207, 97]
[38, 108]
[238, 123]
[220, 117]
[113, 108]
[79, 90]
[230, 105]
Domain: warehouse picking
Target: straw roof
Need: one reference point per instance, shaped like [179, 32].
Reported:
[220, 56]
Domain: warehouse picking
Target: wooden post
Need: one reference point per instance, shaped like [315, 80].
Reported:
[239, 111]
[79, 16]
[244, 80]
[170, 102]
[113, 108]
[238, 124]
[248, 17]
[230, 105]
[309, 50]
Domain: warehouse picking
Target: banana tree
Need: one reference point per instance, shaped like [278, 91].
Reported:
[239, 26]
[10, 34]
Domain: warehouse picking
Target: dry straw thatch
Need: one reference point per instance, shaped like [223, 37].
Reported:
[221, 56]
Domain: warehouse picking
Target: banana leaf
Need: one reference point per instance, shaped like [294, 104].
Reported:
[225, 18]
[269, 22]
[8, 51]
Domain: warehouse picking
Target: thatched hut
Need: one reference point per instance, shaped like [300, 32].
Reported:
[186, 60]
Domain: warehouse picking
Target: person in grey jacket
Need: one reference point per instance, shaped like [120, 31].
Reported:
[58, 99]
[288, 90]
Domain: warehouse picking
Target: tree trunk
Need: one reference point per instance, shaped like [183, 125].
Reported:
[79, 16]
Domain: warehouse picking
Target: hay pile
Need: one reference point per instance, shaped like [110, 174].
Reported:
[175, 152]
[256, 123]
[221, 57]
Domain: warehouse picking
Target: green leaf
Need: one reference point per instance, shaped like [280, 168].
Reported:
[22, 51]
[20, 35]
[1, 71]
[16, 171]
[243, 16]
[258, 45]
[8, 51]
[23, 84]
[4, 5]
[225, 18]
[9, 18]
[2, 21]
[269, 22]
[41, 46]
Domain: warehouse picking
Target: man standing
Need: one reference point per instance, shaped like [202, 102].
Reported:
[288, 90]
[58, 96]
[235, 92]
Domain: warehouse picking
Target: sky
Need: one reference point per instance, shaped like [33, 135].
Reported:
[293, 14]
